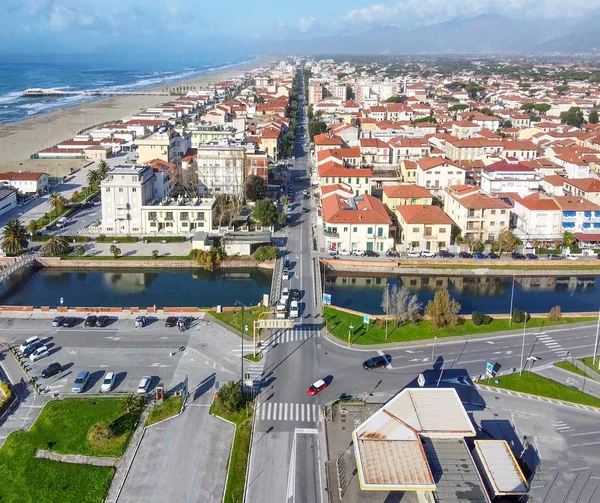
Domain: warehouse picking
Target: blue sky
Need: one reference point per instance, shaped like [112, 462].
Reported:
[83, 26]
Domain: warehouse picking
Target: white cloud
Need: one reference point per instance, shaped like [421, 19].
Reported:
[306, 23]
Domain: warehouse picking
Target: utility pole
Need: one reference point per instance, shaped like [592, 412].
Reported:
[387, 309]
[523, 345]
[512, 295]
[596, 343]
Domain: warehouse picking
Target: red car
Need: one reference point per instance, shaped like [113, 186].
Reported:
[315, 388]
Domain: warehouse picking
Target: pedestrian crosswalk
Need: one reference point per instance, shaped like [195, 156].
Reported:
[278, 411]
[299, 333]
[561, 426]
[552, 345]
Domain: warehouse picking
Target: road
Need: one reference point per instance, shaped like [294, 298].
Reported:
[284, 461]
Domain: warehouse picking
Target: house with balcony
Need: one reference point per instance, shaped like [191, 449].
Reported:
[374, 151]
[356, 223]
[405, 195]
[471, 149]
[588, 188]
[478, 216]
[408, 149]
[509, 176]
[424, 227]
[538, 218]
[580, 217]
[168, 146]
[437, 173]
[464, 129]
[358, 179]
[327, 141]
[178, 217]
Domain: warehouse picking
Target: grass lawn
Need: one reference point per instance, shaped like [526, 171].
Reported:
[236, 478]
[589, 362]
[127, 257]
[540, 386]
[170, 407]
[566, 365]
[253, 358]
[234, 319]
[63, 427]
[338, 323]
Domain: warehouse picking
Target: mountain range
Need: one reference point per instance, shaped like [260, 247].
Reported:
[485, 34]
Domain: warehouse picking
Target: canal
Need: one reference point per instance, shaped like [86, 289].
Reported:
[488, 294]
[134, 288]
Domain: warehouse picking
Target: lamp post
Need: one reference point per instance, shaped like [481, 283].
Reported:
[238, 303]
[523, 345]
[512, 295]
[596, 342]
[350, 328]
[387, 308]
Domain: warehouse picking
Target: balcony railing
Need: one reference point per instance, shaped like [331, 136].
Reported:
[331, 234]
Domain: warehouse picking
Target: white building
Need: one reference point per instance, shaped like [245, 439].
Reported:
[8, 200]
[509, 176]
[221, 169]
[538, 218]
[26, 182]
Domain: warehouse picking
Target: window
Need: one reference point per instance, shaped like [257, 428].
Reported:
[354, 229]
[152, 215]
[200, 216]
[339, 179]
[442, 230]
[366, 180]
[184, 224]
[380, 232]
[152, 224]
[502, 212]
[492, 223]
[345, 229]
[121, 189]
[107, 189]
[349, 180]
[134, 189]
[184, 215]
[357, 181]
[415, 229]
[369, 230]
[493, 212]
[169, 215]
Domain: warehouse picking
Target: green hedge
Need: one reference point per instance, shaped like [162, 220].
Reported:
[38, 238]
[118, 239]
[8, 395]
[263, 253]
[168, 239]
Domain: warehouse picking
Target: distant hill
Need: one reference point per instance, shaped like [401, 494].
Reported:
[485, 34]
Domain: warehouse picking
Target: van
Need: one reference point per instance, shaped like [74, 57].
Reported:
[280, 314]
[61, 222]
[294, 313]
[29, 342]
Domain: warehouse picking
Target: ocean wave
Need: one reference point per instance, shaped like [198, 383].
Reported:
[10, 97]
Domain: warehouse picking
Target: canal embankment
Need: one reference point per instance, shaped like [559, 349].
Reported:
[132, 262]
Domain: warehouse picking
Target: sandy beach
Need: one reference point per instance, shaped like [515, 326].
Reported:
[21, 139]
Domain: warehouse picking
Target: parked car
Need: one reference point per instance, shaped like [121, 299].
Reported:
[285, 275]
[28, 342]
[316, 387]
[58, 321]
[571, 257]
[91, 320]
[371, 253]
[345, 253]
[285, 295]
[294, 294]
[531, 256]
[184, 322]
[69, 321]
[80, 381]
[517, 256]
[553, 256]
[493, 256]
[140, 321]
[102, 321]
[480, 256]
[465, 254]
[305, 210]
[108, 382]
[51, 370]
[358, 253]
[413, 254]
[171, 321]
[144, 385]
[32, 347]
[392, 253]
[332, 252]
[445, 254]
[376, 362]
[427, 253]
[39, 353]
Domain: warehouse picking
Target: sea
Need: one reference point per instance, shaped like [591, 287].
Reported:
[15, 77]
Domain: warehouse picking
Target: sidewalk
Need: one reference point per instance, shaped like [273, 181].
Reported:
[561, 376]
[452, 340]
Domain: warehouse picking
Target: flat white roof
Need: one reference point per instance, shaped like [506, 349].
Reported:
[501, 468]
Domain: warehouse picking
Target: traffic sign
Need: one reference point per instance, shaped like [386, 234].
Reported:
[62, 301]
[421, 380]
[327, 299]
[489, 369]
[366, 320]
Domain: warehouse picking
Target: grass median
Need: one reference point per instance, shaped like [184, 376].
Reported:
[169, 408]
[64, 427]
[236, 477]
[566, 365]
[339, 322]
[234, 318]
[537, 385]
[588, 361]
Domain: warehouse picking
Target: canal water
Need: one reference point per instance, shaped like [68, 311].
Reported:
[134, 288]
[488, 294]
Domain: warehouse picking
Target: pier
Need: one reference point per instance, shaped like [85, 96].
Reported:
[45, 93]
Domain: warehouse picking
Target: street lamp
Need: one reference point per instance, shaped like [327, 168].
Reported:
[350, 328]
[512, 295]
[387, 303]
[238, 303]
[523, 345]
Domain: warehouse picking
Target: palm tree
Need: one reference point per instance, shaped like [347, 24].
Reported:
[130, 402]
[14, 237]
[32, 226]
[80, 251]
[55, 246]
[155, 254]
[103, 169]
[115, 251]
[58, 202]
[94, 178]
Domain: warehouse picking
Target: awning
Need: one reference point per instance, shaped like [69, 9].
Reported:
[587, 237]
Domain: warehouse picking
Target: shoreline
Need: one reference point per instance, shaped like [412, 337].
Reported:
[18, 140]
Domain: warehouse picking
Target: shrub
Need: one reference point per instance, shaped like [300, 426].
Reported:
[99, 433]
[231, 397]
[168, 239]
[264, 253]
[119, 239]
[519, 316]
[7, 398]
[555, 314]
[476, 318]
[442, 310]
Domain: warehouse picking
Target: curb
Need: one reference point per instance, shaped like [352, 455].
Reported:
[501, 391]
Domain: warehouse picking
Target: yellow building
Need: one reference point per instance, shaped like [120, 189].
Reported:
[405, 195]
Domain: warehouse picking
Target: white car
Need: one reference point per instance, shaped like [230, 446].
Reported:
[285, 295]
[39, 353]
[144, 385]
[570, 257]
[332, 251]
[413, 254]
[345, 253]
[427, 253]
[29, 342]
[108, 382]
[285, 275]
[294, 310]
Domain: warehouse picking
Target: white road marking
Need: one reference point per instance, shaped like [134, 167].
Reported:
[584, 434]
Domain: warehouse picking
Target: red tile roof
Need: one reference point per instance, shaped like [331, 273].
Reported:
[505, 166]
[406, 191]
[424, 214]
[434, 162]
[327, 139]
[585, 184]
[364, 209]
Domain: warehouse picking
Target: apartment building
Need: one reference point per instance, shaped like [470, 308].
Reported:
[509, 176]
[405, 195]
[220, 169]
[408, 149]
[359, 179]
[178, 217]
[472, 149]
[25, 182]
[356, 223]
[437, 173]
[464, 129]
[579, 215]
[538, 218]
[374, 151]
[168, 146]
[588, 188]
[424, 227]
[478, 216]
